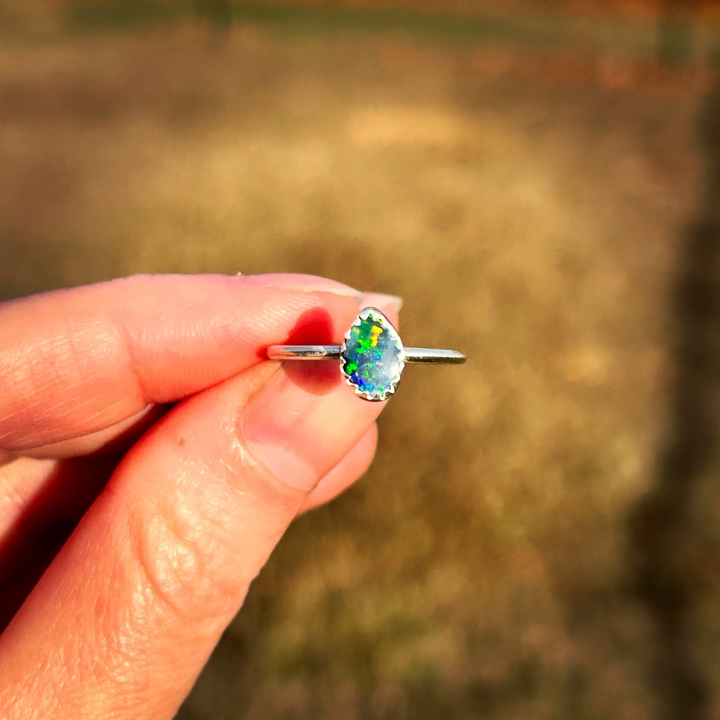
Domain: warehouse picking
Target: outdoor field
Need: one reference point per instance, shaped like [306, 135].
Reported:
[539, 536]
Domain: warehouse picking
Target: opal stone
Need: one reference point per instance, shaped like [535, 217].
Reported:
[372, 356]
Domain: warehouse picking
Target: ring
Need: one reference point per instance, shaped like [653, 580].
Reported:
[372, 357]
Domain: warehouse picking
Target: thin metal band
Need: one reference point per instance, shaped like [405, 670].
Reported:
[332, 352]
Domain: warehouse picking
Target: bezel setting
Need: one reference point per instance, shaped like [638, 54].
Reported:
[372, 314]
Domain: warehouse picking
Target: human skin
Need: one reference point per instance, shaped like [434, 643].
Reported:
[150, 460]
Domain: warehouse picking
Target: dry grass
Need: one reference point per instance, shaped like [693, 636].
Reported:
[485, 566]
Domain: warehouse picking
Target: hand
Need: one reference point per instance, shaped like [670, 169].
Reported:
[140, 416]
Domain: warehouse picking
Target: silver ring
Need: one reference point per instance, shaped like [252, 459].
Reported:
[372, 357]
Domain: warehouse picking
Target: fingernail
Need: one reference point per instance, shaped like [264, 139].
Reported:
[302, 283]
[380, 301]
[299, 435]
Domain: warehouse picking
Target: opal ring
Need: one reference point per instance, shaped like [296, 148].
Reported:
[372, 357]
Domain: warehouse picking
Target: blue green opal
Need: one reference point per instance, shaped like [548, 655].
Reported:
[372, 357]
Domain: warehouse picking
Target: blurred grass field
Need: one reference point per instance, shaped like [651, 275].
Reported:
[538, 535]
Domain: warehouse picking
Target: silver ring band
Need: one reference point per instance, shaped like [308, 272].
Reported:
[332, 352]
[372, 357]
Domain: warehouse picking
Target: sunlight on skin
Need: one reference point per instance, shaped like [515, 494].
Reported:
[127, 613]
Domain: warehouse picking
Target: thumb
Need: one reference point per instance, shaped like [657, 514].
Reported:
[126, 616]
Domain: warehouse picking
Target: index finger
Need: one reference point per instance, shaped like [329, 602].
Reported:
[73, 362]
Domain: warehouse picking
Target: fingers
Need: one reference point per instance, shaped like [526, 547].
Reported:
[76, 362]
[46, 500]
[41, 502]
[130, 609]
[113, 438]
[346, 472]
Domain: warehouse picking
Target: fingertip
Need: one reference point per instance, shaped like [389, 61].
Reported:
[302, 283]
[348, 471]
[390, 305]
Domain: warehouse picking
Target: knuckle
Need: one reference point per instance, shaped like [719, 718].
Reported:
[186, 558]
[202, 540]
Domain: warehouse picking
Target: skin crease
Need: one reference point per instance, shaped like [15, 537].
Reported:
[135, 398]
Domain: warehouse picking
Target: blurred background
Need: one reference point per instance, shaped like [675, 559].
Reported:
[539, 536]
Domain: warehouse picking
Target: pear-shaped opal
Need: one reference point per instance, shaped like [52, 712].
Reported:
[372, 357]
